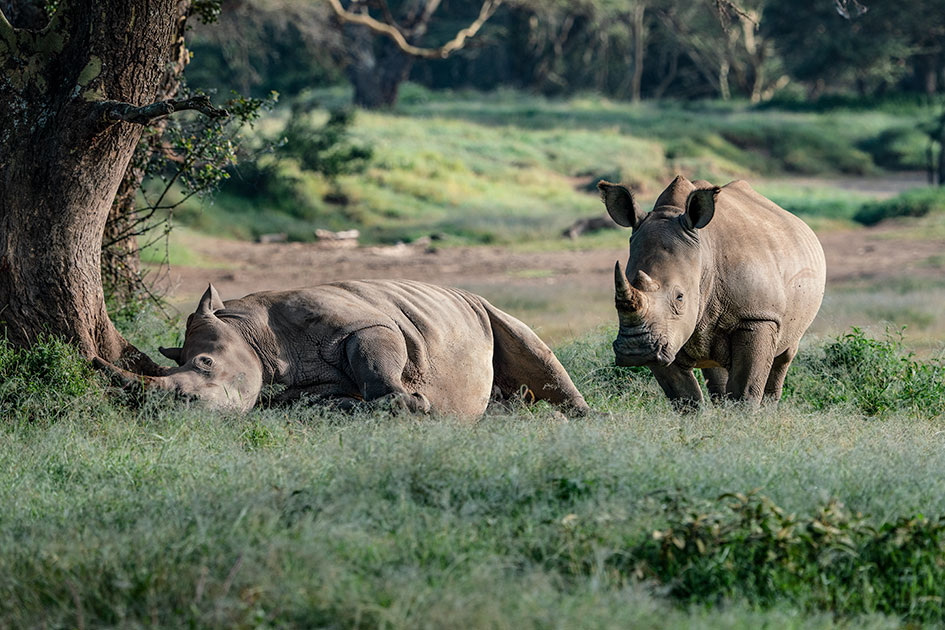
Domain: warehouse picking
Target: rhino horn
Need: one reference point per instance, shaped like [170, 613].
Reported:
[209, 303]
[130, 380]
[627, 297]
[645, 282]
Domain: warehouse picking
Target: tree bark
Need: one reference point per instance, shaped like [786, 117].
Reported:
[376, 69]
[121, 260]
[639, 48]
[64, 160]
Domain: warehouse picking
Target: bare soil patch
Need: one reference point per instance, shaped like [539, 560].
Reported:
[562, 294]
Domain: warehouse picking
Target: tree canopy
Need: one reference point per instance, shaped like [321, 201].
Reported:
[625, 49]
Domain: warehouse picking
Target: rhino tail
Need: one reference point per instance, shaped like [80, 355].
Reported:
[523, 363]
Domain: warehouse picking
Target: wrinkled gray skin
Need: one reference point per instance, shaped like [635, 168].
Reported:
[413, 345]
[720, 279]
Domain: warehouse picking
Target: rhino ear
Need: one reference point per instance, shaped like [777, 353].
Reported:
[209, 303]
[621, 206]
[174, 354]
[700, 207]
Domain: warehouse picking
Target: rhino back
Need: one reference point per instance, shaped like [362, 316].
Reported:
[446, 332]
[763, 263]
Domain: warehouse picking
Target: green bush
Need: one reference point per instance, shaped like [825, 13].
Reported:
[876, 377]
[898, 148]
[41, 382]
[912, 203]
[747, 547]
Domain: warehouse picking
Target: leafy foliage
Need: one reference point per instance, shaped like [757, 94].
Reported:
[326, 149]
[912, 203]
[188, 158]
[746, 546]
[876, 377]
[50, 376]
[296, 172]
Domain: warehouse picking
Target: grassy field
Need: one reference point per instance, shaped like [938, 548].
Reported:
[822, 512]
[508, 167]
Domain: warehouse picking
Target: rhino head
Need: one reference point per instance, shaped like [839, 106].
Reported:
[658, 298]
[216, 365]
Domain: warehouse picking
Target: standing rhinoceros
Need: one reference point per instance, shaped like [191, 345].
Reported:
[418, 346]
[718, 278]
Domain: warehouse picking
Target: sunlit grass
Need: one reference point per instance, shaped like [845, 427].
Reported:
[509, 167]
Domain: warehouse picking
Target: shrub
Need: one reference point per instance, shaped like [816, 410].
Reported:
[747, 547]
[41, 381]
[912, 203]
[898, 148]
[875, 377]
[326, 149]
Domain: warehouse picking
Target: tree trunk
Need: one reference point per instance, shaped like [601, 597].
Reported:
[121, 259]
[639, 47]
[376, 69]
[63, 161]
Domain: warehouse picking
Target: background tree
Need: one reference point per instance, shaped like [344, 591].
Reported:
[76, 92]
[378, 65]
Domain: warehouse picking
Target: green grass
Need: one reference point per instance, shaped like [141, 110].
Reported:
[168, 515]
[509, 167]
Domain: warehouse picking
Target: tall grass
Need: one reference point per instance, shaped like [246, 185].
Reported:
[168, 515]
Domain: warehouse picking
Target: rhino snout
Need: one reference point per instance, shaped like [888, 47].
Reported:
[639, 346]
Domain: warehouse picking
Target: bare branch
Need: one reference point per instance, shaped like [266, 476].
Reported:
[725, 7]
[6, 29]
[116, 111]
[855, 8]
[488, 8]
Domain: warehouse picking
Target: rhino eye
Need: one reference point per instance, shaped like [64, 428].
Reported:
[679, 296]
[203, 362]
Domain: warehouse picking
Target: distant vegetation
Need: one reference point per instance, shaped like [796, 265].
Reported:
[507, 167]
[914, 203]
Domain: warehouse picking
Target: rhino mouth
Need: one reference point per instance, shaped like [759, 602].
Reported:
[639, 346]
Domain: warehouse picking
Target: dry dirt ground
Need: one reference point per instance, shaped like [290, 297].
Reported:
[560, 293]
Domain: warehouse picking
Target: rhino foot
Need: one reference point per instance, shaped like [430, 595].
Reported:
[402, 401]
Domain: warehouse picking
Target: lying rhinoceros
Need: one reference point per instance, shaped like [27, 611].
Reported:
[718, 278]
[415, 345]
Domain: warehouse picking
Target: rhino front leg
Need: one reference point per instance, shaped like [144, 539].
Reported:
[752, 352]
[680, 386]
[377, 357]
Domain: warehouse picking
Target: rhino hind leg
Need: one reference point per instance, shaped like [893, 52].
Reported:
[779, 370]
[752, 352]
[377, 357]
[521, 359]
[716, 381]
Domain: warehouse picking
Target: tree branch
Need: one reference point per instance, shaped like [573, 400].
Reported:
[723, 7]
[6, 29]
[488, 8]
[116, 111]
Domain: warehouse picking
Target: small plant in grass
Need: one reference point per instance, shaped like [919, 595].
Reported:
[876, 377]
